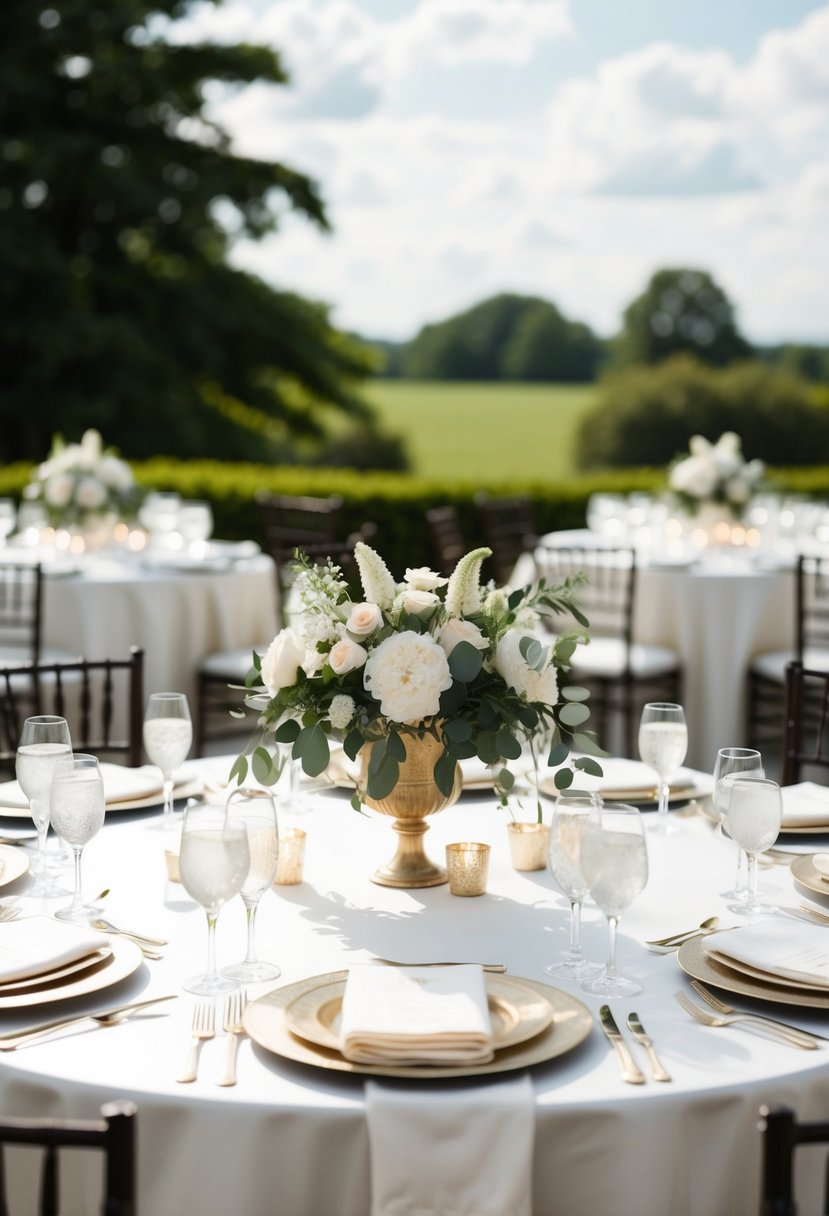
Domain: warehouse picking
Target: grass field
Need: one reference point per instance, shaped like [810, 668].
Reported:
[487, 431]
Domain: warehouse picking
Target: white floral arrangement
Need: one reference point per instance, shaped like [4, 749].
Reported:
[443, 656]
[82, 481]
[716, 473]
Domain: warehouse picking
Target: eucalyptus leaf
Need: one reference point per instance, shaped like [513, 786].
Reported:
[487, 748]
[465, 662]
[287, 731]
[507, 745]
[452, 699]
[444, 773]
[586, 765]
[239, 770]
[505, 779]
[352, 744]
[573, 714]
[457, 731]
[396, 748]
[263, 767]
[563, 779]
[558, 754]
[574, 693]
[313, 750]
[462, 751]
[532, 652]
[585, 741]
[382, 778]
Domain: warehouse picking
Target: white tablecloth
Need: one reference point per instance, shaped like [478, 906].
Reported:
[292, 1140]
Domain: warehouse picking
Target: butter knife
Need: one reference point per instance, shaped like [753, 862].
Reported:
[630, 1072]
[658, 1071]
[497, 968]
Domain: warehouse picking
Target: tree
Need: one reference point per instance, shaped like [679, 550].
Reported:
[118, 308]
[544, 345]
[680, 311]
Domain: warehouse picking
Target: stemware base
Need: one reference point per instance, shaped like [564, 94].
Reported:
[574, 966]
[611, 985]
[663, 825]
[252, 973]
[80, 914]
[751, 911]
[209, 984]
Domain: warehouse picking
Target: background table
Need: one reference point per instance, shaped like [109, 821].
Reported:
[293, 1140]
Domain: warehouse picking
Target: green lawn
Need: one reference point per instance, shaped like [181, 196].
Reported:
[490, 431]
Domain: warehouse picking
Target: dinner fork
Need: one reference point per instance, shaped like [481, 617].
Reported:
[791, 1037]
[234, 1028]
[203, 1027]
[720, 1007]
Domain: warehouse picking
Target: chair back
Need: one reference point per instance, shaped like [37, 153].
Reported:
[21, 609]
[447, 540]
[812, 604]
[508, 526]
[607, 596]
[113, 1135]
[296, 522]
[781, 1136]
[806, 732]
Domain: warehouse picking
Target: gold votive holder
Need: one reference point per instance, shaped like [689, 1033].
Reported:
[528, 844]
[173, 870]
[291, 861]
[467, 864]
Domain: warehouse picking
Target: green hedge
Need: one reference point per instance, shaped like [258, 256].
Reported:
[396, 503]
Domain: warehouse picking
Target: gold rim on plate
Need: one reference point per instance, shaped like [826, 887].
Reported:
[266, 1024]
[804, 871]
[695, 962]
[125, 958]
[14, 862]
[96, 958]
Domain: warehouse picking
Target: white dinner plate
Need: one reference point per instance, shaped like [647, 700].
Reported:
[125, 959]
[14, 861]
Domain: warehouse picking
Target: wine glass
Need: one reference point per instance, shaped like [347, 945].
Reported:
[753, 819]
[213, 862]
[614, 860]
[44, 740]
[257, 810]
[195, 525]
[78, 807]
[731, 762]
[663, 742]
[168, 733]
[571, 817]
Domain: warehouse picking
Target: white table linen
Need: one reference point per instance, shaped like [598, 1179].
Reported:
[294, 1140]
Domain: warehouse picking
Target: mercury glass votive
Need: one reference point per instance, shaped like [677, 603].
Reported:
[291, 861]
[467, 864]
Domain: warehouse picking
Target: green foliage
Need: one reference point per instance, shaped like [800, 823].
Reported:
[118, 203]
[680, 310]
[508, 337]
[647, 415]
[803, 358]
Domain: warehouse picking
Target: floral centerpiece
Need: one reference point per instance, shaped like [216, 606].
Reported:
[716, 473]
[82, 482]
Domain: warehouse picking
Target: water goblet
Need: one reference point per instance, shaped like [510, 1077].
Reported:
[614, 859]
[213, 863]
[732, 762]
[663, 742]
[78, 807]
[753, 819]
[168, 733]
[44, 740]
[256, 809]
[568, 829]
[195, 525]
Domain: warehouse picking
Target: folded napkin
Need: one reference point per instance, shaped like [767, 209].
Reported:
[805, 805]
[120, 785]
[622, 777]
[38, 944]
[465, 1151]
[416, 1015]
[776, 947]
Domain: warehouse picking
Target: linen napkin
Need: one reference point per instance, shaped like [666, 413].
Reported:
[416, 1015]
[775, 947]
[805, 805]
[38, 944]
[464, 1151]
[120, 785]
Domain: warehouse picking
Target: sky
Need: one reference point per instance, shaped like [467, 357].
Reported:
[558, 148]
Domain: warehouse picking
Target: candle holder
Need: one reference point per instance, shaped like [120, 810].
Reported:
[291, 861]
[528, 843]
[467, 864]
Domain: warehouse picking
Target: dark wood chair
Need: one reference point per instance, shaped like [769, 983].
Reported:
[113, 1135]
[290, 522]
[446, 536]
[621, 673]
[508, 527]
[782, 1134]
[806, 733]
[21, 616]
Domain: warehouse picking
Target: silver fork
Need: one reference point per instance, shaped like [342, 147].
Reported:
[791, 1037]
[203, 1027]
[720, 1007]
[234, 1029]
[8, 912]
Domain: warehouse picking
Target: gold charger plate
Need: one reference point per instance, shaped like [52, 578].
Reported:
[642, 794]
[517, 1013]
[124, 959]
[695, 962]
[95, 958]
[14, 861]
[804, 870]
[266, 1024]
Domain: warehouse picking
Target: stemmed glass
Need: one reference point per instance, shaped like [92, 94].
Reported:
[663, 742]
[78, 809]
[213, 861]
[168, 733]
[257, 810]
[732, 762]
[753, 819]
[44, 740]
[614, 859]
[569, 825]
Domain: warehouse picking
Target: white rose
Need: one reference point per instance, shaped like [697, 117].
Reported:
[90, 493]
[419, 603]
[458, 630]
[407, 673]
[364, 619]
[421, 578]
[518, 675]
[58, 490]
[346, 655]
[282, 661]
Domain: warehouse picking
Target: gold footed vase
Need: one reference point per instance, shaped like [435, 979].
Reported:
[413, 798]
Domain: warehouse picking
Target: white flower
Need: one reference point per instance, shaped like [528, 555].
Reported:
[407, 673]
[90, 493]
[341, 711]
[463, 595]
[282, 661]
[419, 603]
[364, 619]
[421, 578]
[378, 584]
[346, 655]
[456, 630]
[513, 668]
[58, 490]
[91, 447]
[115, 473]
[695, 476]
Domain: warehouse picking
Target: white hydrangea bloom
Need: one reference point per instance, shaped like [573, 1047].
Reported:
[341, 711]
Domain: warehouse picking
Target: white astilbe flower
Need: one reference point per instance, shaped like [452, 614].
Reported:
[463, 595]
[341, 711]
[378, 584]
[407, 673]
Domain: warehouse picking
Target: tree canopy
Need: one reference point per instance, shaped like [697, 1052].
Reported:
[118, 307]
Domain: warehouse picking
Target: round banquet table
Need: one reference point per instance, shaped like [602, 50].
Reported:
[293, 1139]
[716, 613]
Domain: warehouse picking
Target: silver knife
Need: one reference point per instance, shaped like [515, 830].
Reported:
[658, 1071]
[630, 1072]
